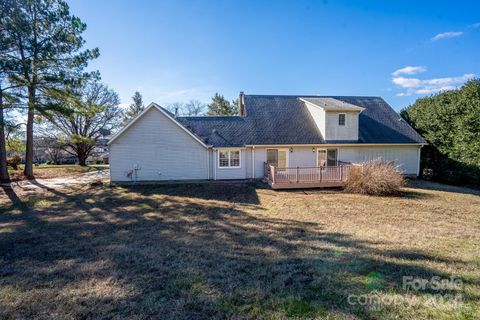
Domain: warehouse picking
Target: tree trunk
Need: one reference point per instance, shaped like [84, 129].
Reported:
[3, 147]
[82, 159]
[82, 155]
[28, 172]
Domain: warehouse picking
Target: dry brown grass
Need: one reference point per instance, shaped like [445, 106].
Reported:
[53, 171]
[242, 251]
[375, 178]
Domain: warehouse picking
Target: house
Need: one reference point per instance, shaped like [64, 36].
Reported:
[289, 139]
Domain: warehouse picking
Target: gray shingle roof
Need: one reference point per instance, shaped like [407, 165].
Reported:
[332, 104]
[286, 120]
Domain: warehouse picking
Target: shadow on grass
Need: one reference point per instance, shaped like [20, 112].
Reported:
[188, 252]
[241, 192]
[411, 194]
[431, 185]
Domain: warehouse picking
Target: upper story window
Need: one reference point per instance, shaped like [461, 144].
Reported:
[229, 158]
[341, 119]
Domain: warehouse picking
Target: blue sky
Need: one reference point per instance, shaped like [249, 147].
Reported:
[180, 50]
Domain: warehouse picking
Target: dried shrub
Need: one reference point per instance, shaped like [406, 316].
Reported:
[375, 178]
[14, 161]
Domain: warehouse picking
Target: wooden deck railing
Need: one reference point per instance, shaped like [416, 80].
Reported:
[306, 177]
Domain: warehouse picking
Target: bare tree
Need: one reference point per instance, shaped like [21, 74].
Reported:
[93, 110]
[175, 108]
[191, 108]
[48, 148]
[194, 108]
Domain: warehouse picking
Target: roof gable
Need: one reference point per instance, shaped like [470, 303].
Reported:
[165, 113]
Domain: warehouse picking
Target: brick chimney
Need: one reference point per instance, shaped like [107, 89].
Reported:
[241, 104]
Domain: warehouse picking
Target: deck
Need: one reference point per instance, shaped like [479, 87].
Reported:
[306, 177]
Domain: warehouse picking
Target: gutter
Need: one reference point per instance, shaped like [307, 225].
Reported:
[337, 145]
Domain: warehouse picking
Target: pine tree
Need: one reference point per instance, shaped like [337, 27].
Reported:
[46, 47]
[135, 108]
[221, 106]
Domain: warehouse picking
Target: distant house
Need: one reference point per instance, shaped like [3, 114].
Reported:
[297, 138]
[100, 151]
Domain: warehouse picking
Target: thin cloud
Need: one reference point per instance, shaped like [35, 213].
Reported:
[409, 70]
[429, 86]
[447, 35]
[407, 83]
[475, 25]
[184, 95]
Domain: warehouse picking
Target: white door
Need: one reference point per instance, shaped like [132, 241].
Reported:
[282, 158]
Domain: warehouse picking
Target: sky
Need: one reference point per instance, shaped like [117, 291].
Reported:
[175, 51]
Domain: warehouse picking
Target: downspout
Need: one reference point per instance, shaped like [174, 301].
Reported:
[208, 164]
[253, 162]
[419, 157]
[214, 164]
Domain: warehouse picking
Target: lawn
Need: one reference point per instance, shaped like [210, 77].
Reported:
[241, 251]
[45, 171]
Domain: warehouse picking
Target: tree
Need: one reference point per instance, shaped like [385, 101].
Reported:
[221, 106]
[46, 48]
[175, 108]
[50, 149]
[194, 108]
[450, 122]
[15, 144]
[135, 108]
[7, 99]
[3, 143]
[191, 108]
[93, 110]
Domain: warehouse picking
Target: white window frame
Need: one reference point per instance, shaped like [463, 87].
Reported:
[338, 120]
[280, 149]
[326, 155]
[229, 157]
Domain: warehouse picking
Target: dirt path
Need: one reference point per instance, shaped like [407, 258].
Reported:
[36, 186]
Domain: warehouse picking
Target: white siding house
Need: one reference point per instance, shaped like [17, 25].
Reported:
[406, 158]
[160, 149]
[293, 132]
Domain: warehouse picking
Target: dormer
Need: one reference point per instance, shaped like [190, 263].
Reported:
[336, 119]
